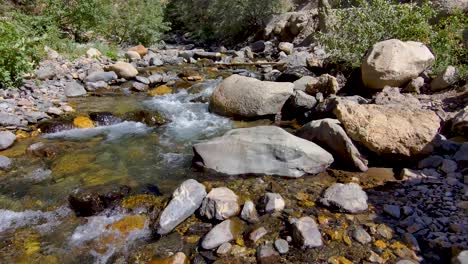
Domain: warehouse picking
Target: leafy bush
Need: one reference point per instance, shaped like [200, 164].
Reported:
[354, 30]
[223, 20]
[19, 51]
[447, 43]
[136, 21]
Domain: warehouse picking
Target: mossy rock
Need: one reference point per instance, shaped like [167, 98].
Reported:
[160, 90]
[83, 122]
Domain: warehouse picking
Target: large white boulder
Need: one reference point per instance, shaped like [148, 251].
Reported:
[394, 63]
[262, 150]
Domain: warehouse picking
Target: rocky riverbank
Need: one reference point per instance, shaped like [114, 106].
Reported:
[322, 167]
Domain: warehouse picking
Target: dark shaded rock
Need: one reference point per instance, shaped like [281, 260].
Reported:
[86, 204]
[104, 118]
[150, 118]
[56, 125]
[266, 254]
[293, 74]
[258, 46]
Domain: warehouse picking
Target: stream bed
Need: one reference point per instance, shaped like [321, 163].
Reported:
[149, 162]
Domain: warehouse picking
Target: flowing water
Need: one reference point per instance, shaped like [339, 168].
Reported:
[36, 224]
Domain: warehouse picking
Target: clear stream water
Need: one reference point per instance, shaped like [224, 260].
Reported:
[34, 217]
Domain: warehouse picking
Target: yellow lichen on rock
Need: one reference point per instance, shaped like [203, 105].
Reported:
[339, 260]
[380, 244]
[129, 224]
[160, 90]
[178, 258]
[83, 122]
[141, 200]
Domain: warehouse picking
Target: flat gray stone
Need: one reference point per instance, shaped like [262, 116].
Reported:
[101, 76]
[74, 89]
[186, 199]
[6, 139]
[348, 198]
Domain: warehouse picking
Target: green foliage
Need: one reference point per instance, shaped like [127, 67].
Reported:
[135, 21]
[447, 43]
[354, 30]
[223, 20]
[19, 50]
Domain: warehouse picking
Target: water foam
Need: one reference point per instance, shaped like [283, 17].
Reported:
[111, 132]
[43, 221]
[190, 120]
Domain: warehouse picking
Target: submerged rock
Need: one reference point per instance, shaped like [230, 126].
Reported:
[151, 118]
[330, 135]
[5, 163]
[261, 150]
[186, 199]
[349, 198]
[244, 97]
[389, 130]
[220, 204]
[6, 139]
[306, 233]
[86, 203]
[222, 233]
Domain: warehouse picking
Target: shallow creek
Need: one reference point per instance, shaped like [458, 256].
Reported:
[36, 224]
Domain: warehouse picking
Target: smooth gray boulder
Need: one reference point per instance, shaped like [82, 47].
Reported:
[222, 233]
[243, 97]
[186, 199]
[6, 139]
[329, 134]
[261, 150]
[101, 76]
[220, 204]
[306, 233]
[74, 89]
[348, 198]
[5, 163]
